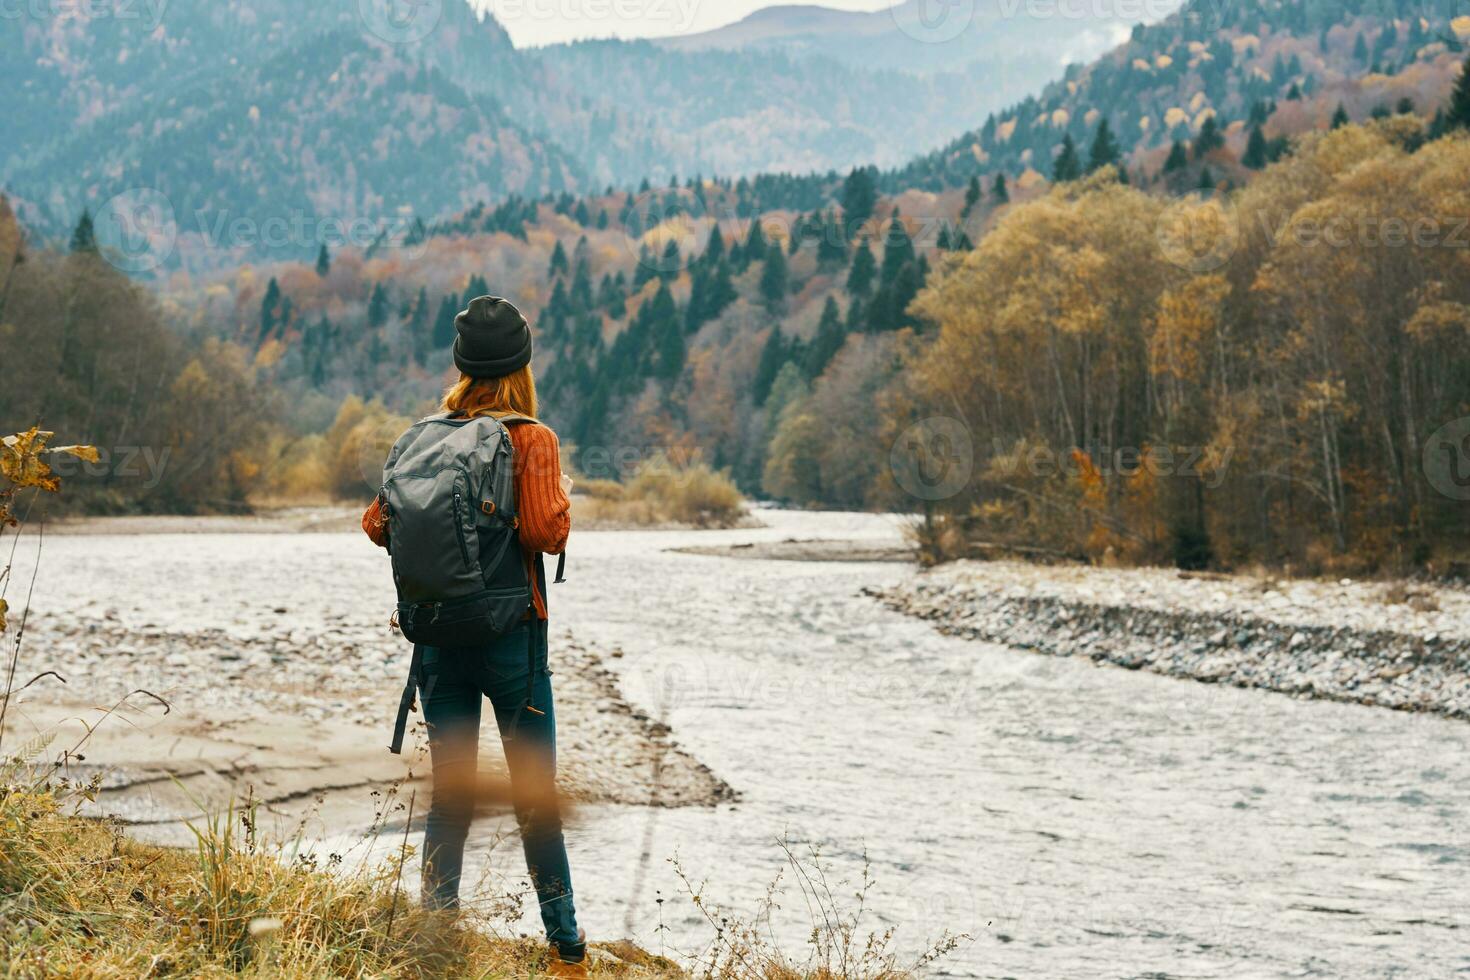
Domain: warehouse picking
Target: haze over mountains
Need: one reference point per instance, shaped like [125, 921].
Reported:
[343, 108]
[1003, 41]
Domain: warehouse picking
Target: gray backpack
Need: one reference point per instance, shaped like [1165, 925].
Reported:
[449, 500]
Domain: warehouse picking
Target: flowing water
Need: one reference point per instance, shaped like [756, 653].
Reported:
[1076, 821]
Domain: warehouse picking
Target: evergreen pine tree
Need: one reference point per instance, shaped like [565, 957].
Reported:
[1206, 180]
[84, 236]
[999, 191]
[1360, 50]
[773, 356]
[418, 328]
[832, 247]
[1178, 157]
[444, 333]
[898, 249]
[671, 262]
[1067, 166]
[1458, 116]
[559, 263]
[319, 350]
[864, 267]
[646, 268]
[1105, 151]
[377, 311]
[1210, 138]
[270, 308]
[668, 335]
[859, 198]
[323, 261]
[714, 251]
[774, 280]
[826, 344]
[755, 243]
[582, 298]
[1340, 117]
[972, 195]
[1257, 153]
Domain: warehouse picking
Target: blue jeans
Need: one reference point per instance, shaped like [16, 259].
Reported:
[453, 684]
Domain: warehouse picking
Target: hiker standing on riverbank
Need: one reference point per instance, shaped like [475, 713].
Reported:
[471, 501]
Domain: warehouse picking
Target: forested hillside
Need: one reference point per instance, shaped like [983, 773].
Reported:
[1218, 72]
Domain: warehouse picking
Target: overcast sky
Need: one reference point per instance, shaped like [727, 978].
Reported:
[533, 22]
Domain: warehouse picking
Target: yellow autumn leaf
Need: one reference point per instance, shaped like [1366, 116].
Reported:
[87, 453]
[4, 608]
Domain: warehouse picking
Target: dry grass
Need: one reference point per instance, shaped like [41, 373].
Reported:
[79, 899]
[662, 493]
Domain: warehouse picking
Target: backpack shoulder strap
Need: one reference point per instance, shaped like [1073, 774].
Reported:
[511, 418]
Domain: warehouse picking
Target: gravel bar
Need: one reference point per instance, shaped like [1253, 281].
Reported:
[1393, 645]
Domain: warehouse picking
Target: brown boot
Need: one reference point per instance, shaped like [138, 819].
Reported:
[558, 967]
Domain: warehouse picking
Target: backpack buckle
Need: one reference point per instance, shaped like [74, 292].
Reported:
[487, 507]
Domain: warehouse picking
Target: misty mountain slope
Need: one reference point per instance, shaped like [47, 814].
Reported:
[929, 37]
[333, 129]
[741, 112]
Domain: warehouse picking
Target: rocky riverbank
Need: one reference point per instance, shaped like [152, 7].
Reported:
[1392, 645]
[298, 720]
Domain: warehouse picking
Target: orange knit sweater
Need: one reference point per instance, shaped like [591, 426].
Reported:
[543, 510]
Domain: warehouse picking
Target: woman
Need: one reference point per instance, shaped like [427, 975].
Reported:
[493, 353]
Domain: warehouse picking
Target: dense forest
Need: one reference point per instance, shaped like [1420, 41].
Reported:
[1147, 353]
[1206, 72]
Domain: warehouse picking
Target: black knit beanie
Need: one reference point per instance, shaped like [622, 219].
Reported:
[494, 339]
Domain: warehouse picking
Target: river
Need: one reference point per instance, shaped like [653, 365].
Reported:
[1074, 820]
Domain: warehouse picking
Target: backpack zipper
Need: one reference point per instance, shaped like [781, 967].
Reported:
[464, 548]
